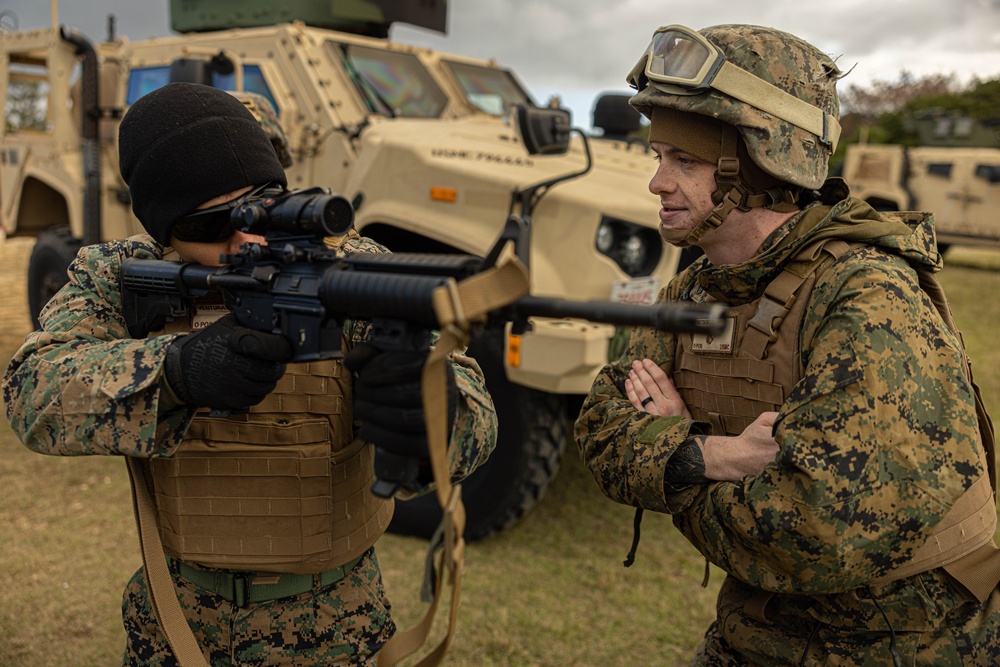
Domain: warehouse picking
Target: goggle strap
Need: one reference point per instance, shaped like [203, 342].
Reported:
[740, 84]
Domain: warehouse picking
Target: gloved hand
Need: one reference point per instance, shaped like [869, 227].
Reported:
[226, 366]
[388, 400]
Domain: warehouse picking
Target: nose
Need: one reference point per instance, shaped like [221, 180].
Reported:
[662, 181]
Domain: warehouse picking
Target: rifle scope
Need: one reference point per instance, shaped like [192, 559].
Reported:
[312, 212]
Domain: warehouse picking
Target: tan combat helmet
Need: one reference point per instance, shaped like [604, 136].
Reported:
[263, 111]
[776, 90]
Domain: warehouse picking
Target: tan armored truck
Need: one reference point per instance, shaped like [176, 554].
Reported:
[960, 184]
[420, 141]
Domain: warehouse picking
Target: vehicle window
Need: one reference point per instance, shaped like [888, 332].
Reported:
[147, 79]
[253, 82]
[964, 125]
[939, 169]
[391, 83]
[490, 90]
[27, 103]
[988, 172]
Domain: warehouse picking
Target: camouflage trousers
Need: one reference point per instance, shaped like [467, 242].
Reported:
[344, 623]
[943, 628]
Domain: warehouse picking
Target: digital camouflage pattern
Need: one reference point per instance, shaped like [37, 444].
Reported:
[81, 386]
[343, 624]
[783, 150]
[877, 441]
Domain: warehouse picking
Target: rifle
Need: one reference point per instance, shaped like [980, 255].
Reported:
[298, 287]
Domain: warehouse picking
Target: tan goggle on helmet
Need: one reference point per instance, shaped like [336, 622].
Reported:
[776, 89]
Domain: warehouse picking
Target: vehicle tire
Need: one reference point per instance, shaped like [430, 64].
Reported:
[50, 257]
[530, 442]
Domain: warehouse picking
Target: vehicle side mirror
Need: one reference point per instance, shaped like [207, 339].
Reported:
[199, 70]
[543, 131]
[191, 70]
[614, 115]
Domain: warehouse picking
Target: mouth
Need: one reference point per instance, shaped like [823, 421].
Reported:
[668, 214]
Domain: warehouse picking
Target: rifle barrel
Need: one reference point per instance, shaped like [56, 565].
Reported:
[683, 317]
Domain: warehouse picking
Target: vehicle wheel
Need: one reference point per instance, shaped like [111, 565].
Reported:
[51, 256]
[531, 438]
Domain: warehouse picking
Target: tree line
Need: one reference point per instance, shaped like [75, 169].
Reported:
[880, 111]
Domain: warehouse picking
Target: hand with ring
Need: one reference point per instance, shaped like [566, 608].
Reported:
[650, 390]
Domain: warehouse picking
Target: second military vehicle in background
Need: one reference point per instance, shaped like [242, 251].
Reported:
[954, 173]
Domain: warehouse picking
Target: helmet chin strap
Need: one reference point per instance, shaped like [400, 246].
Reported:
[731, 193]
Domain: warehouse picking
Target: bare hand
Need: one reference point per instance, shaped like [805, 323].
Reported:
[730, 458]
[650, 390]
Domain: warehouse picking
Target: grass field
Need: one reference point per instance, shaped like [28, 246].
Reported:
[550, 592]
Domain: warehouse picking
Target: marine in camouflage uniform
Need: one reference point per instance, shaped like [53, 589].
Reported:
[82, 386]
[874, 422]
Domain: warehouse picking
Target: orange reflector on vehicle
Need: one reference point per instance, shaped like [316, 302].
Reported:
[444, 194]
[513, 350]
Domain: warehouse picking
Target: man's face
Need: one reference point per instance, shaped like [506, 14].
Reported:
[684, 185]
[208, 253]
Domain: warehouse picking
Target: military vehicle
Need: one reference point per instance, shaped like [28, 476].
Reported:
[421, 142]
[955, 174]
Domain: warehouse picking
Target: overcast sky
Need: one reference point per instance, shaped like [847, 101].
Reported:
[580, 48]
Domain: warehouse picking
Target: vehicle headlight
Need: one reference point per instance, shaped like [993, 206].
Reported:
[605, 238]
[634, 248]
[633, 254]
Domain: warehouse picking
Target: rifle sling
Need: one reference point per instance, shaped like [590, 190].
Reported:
[160, 587]
[457, 306]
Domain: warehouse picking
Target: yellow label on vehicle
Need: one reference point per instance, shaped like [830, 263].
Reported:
[513, 350]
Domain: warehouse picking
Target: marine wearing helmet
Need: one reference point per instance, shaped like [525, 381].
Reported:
[828, 451]
[758, 102]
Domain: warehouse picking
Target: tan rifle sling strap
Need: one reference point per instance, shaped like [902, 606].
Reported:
[458, 306]
[160, 587]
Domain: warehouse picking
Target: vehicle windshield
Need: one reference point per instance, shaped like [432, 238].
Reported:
[391, 83]
[490, 90]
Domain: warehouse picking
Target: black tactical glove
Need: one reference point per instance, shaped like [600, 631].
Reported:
[388, 401]
[226, 366]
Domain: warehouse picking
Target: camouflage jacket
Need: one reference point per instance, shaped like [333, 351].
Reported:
[80, 385]
[877, 441]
